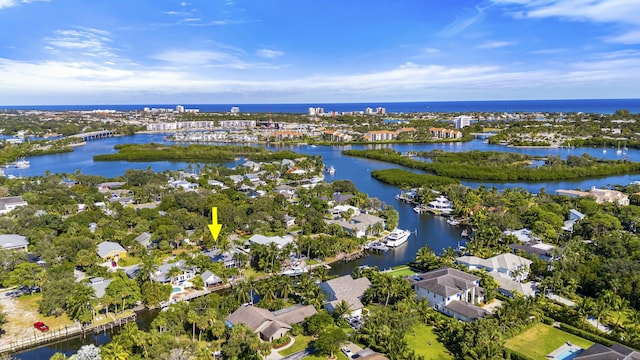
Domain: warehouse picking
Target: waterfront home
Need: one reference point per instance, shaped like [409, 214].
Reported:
[217, 184]
[338, 211]
[338, 136]
[441, 205]
[161, 274]
[10, 203]
[289, 221]
[450, 291]
[600, 195]
[236, 178]
[251, 165]
[106, 186]
[359, 225]
[210, 279]
[441, 133]
[523, 235]
[270, 325]
[280, 241]
[14, 242]
[111, 251]
[99, 285]
[347, 289]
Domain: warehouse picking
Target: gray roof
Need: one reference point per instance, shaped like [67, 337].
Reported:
[615, 352]
[144, 239]
[11, 200]
[268, 323]
[10, 241]
[105, 247]
[445, 281]
[99, 284]
[210, 278]
[160, 274]
[346, 287]
[467, 310]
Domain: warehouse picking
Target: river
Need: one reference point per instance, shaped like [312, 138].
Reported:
[429, 230]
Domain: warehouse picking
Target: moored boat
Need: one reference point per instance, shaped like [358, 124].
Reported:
[397, 237]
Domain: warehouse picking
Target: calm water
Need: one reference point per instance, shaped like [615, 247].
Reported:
[431, 230]
[599, 106]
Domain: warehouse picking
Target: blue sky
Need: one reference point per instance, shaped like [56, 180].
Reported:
[305, 51]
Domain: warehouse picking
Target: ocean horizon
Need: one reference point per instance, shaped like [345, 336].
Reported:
[598, 106]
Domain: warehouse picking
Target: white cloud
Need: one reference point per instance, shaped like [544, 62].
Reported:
[269, 54]
[461, 23]
[619, 12]
[496, 44]
[86, 41]
[430, 51]
[9, 3]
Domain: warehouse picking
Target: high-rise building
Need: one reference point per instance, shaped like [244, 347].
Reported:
[235, 109]
[180, 108]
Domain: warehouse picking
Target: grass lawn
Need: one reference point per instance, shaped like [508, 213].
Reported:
[542, 339]
[420, 343]
[401, 271]
[30, 304]
[300, 343]
[128, 261]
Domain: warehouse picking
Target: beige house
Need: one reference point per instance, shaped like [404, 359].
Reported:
[111, 251]
[267, 324]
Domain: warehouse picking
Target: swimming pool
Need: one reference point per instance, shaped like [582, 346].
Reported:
[569, 354]
[176, 289]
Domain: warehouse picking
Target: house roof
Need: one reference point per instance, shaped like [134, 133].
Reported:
[106, 247]
[265, 240]
[10, 241]
[615, 352]
[11, 200]
[210, 278]
[506, 261]
[368, 354]
[144, 239]
[268, 323]
[346, 287]
[99, 285]
[445, 281]
[162, 271]
[467, 310]
[511, 285]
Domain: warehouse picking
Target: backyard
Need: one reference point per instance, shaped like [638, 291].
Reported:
[543, 339]
[426, 343]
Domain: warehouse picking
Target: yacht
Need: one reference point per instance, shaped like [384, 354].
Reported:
[397, 237]
[453, 222]
[441, 205]
[331, 170]
[22, 164]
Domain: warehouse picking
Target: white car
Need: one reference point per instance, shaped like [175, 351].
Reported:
[345, 350]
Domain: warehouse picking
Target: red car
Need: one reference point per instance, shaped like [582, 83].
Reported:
[40, 326]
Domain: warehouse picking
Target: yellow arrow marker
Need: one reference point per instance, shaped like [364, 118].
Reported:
[214, 227]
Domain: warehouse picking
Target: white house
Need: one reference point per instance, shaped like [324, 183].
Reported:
[162, 273]
[359, 225]
[183, 184]
[450, 291]
[8, 204]
[13, 242]
[280, 241]
[509, 270]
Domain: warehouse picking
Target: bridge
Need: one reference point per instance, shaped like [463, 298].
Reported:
[484, 134]
[94, 135]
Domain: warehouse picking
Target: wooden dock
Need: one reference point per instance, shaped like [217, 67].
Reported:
[40, 339]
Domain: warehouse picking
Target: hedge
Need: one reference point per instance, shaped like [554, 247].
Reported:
[586, 335]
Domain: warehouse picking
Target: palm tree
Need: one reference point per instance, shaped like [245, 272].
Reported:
[192, 317]
[114, 351]
[342, 308]
[173, 272]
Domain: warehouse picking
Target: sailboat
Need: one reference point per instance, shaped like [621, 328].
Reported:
[619, 152]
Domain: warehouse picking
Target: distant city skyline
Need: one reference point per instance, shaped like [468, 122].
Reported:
[288, 51]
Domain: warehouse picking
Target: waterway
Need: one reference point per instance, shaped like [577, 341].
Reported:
[428, 229]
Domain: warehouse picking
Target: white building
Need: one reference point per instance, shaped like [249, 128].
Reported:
[179, 108]
[450, 291]
[8, 204]
[235, 110]
[462, 121]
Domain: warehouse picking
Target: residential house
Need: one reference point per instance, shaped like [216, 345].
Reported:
[614, 352]
[287, 135]
[183, 184]
[368, 354]
[338, 211]
[111, 251]
[8, 204]
[270, 325]
[210, 279]
[144, 239]
[14, 242]
[600, 195]
[106, 186]
[507, 269]
[541, 250]
[338, 136]
[217, 184]
[280, 241]
[380, 135]
[227, 258]
[289, 221]
[99, 285]
[450, 291]
[161, 275]
[236, 178]
[523, 235]
[251, 165]
[359, 225]
[347, 289]
[441, 133]
[574, 216]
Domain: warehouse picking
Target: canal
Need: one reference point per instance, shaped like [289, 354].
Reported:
[427, 229]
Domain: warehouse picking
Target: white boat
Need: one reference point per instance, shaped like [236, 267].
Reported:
[378, 246]
[618, 152]
[397, 237]
[331, 170]
[22, 164]
[441, 205]
[419, 209]
[453, 222]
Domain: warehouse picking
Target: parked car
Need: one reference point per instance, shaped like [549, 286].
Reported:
[14, 293]
[114, 264]
[346, 351]
[40, 326]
